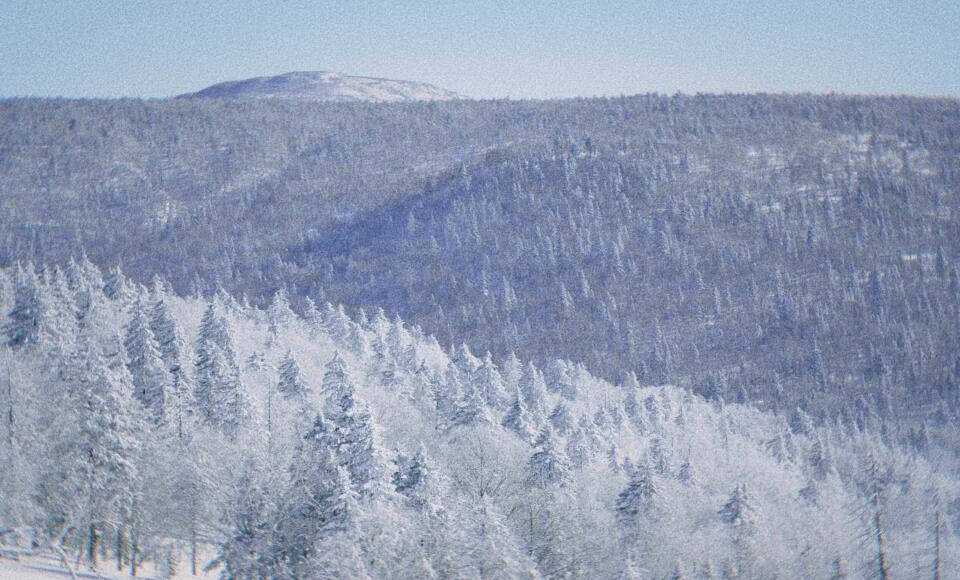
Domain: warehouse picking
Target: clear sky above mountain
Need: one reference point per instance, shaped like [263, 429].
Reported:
[482, 48]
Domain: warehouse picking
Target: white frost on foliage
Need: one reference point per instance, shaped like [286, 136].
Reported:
[465, 466]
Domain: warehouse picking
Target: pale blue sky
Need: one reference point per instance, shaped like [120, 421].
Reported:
[483, 48]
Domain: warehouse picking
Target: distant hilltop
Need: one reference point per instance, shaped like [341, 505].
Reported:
[324, 86]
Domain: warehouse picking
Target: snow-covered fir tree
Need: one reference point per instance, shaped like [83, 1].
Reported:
[218, 390]
[548, 465]
[518, 419]
[29, 312]
[291, 384]
[152, 381]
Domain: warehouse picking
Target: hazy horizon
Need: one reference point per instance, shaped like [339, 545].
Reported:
[485, 50]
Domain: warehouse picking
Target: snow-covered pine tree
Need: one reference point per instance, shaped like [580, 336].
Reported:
[446, 392]
[252, 546]
[738, 511]
[512, 371]
[819, 460]
[534, 389]
[464, 360]
[88, 274]
[72, 274]
[172, 351]
[279, 313]
[312, 316]
[357, 340]
[151, 379]
[390, 374]
[356, 439]
[489, 383]
[116, 286]
[291, 384]
[96, 442]
[380, 323]
[685, 472]
[637, 500]
[548, 466]
[88, 299]
[29, 312]
[228, 303]
[560, 379]
[560, 419]
[335, 380]
[412, 474]
[61, 311]
[578, 447]
[471, 409]
[518, 418]
[219, 394]
[614, 460]
[336, 322]
[659, 459]
[318, 500]
[801, 422]
[741, 516]
[601, 421]
[397, 336]
[166, 331]
[204, 365]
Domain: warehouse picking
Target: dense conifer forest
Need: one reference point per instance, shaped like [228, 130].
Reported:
[687, 336]
[789, 250]
[158, 435]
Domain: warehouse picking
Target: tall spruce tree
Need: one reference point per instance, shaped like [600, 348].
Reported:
[279, 313]
[638, 498]
[534, 389]
[30, 309]
[548, 466]
[560, 419]
[740, 515]
[151, 378]
[489, 383]
[518, 418]
[219, 394]
[116, 285]
[318, 502]
[172, 351]
[291, 384]
[97, 446]
[356, 439]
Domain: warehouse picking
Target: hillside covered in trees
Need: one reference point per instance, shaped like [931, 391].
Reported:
[793, 251]
[143, 430]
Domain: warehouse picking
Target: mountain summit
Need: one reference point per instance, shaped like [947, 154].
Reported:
[324, 86]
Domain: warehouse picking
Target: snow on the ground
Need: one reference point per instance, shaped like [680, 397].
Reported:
[45, 567]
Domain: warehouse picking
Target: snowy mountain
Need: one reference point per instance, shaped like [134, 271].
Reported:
[325, 86]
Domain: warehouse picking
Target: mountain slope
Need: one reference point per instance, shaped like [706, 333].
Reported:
[794, 286]
[791, 249]
[324, 86]
[470, 467]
